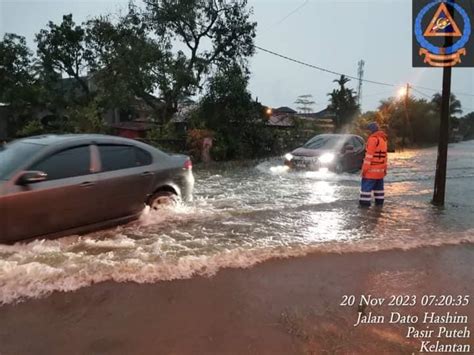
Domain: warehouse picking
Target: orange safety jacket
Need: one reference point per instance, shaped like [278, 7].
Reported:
[375, 162]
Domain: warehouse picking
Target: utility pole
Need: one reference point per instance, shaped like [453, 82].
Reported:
[439, 194]
[407, 116]
[360, 73]
[442, 162]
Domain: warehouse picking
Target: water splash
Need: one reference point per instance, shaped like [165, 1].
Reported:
[245, 215]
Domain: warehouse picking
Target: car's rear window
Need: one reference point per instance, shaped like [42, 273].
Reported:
[13, 155]
[117, 157]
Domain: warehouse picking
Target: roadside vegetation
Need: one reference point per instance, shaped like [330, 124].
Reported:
[415, 122]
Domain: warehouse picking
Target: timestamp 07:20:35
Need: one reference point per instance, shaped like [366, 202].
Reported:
[407, 300]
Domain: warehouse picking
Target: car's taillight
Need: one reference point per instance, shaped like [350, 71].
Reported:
[188, 164]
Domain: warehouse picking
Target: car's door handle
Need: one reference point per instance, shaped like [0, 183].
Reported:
[147, 173]
[87, 184]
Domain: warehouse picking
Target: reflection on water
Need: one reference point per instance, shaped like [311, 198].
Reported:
[246, 214]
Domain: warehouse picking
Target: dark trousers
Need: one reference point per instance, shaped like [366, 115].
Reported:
[367, 187]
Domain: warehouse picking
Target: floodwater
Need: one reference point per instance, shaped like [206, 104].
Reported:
[245, 214]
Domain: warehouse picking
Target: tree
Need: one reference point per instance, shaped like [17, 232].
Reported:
[128, 62]
[16, 71]
[455, 107]
[467, 126]
[62, 48]
[228, 109]
[214, 33]
[424, 122]
[305, 103]
[343, 103]
[19, 87]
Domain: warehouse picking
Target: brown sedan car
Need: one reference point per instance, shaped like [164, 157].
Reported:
[56, 185]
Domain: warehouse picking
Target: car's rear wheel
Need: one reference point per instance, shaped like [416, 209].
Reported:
[162, 199]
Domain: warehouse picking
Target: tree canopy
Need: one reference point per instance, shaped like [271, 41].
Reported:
[62, 48]
[212, 33]
[227, 108]
[16, 71]
[343, 103]
[455, 107]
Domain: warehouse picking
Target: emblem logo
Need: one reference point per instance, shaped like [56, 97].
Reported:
[442, 32]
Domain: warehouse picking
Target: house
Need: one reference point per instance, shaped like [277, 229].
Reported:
[180, 119]
[134, 122]
[136, 129]
[322, 120]
[282, 117]
[140, 119]
[284, 111]
[285, 117]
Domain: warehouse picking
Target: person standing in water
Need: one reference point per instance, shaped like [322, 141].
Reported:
[374, 168]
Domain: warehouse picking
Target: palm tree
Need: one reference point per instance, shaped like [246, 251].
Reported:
[343, 103]
[343, 80]
[455, 106]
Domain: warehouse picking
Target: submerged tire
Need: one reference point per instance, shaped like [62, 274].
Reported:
[338, 169]
[162, 199]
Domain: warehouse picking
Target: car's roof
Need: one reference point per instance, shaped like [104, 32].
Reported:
[53, 139]
[336, 135]
[339, 135]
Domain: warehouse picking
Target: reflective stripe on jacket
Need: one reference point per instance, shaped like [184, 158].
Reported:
[375, 162]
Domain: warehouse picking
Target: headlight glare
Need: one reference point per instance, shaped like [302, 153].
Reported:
[327, 158]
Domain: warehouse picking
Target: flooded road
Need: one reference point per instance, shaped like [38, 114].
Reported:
[243, 215]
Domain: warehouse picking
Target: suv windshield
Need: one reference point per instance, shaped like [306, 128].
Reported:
[325, 142]
[13, 155]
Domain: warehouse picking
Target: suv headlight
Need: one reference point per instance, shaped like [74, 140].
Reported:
[327, 158]
[289, 157]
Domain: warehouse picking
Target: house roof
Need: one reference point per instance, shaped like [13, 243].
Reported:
[324, 114]
[134, 125]
[280, 121]
[284, 109]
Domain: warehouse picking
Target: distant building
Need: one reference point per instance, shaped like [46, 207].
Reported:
[323, 120]
[181, 118]
[286, 117]
[133, 122]
[143, 120]
[136, 129]
[284, 111]
[282, 117]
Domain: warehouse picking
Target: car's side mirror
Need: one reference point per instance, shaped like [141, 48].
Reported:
[349, 149]
[31, 177]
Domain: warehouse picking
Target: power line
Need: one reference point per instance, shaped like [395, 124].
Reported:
[437, 90]
[430, 97]
[286, 16]
[421, 93]
[349, 76]
[292, 13]
[323, 69]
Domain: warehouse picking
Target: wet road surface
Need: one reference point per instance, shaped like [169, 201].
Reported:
[246, 213]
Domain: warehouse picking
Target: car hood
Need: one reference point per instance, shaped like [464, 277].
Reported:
[305, 152]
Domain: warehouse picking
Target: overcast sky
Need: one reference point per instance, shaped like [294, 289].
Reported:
[327, 33]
